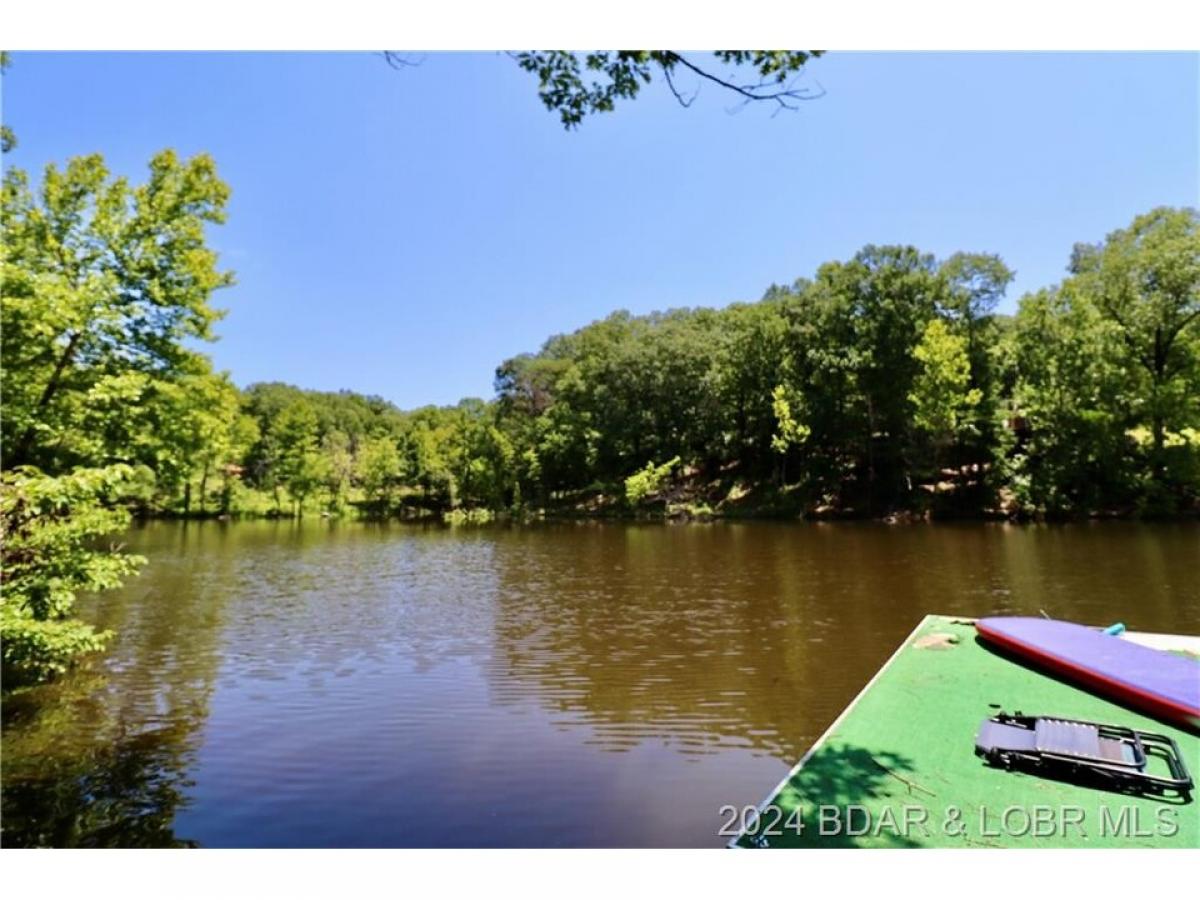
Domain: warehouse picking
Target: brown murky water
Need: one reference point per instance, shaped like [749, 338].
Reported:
[318, 684]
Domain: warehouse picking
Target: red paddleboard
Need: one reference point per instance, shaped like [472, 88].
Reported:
[1162, 684]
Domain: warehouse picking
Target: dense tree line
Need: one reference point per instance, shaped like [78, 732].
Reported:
[888, 383]
[885, 384]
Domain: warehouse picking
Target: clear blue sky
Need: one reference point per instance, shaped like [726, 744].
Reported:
[402, 232]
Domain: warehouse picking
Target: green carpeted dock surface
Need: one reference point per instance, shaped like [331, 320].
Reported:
[898, 768]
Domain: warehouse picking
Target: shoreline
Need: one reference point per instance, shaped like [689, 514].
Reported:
[677, 517]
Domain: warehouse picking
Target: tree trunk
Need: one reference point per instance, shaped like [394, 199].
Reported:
[21, 452]
[1158, 429]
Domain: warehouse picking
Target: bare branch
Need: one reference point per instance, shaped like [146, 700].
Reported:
[399, 60]
[685, 102]
[786, 97]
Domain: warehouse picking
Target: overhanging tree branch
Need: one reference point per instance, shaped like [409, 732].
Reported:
[576, 85]
[399, 60]
[786, 97]
[685, 102]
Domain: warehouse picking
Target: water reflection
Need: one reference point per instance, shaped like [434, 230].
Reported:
[757, 635]
[323, 684]
[124, 792]
[101, 759]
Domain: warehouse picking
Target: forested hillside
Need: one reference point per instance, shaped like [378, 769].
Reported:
[882, 385]
[885, 384]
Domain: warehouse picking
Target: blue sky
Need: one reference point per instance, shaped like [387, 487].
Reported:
[402, 232]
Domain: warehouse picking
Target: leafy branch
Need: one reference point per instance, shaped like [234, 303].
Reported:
[576, 85]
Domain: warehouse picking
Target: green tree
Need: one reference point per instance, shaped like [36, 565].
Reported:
[242, 435]
[647, 481]
[378, 469]
[576, 85]
[103, 286]
[103, 283]
[8, 140]
[216, 416]
[298, 465]
[753, 359]
[178, 428]
[1146, 280]
[1069, 408]
[339, 468]
[853, 331]
[486, 457]
[50, 550]
[790, 430]
[976, 282]
[943, 401]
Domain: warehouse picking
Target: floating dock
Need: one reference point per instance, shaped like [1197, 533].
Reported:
[898, 769]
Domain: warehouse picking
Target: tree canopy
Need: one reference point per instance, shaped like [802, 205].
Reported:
[577, 85]
[106, 405]
[883, 384]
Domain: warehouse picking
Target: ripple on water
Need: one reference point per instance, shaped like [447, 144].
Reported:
[283, 684]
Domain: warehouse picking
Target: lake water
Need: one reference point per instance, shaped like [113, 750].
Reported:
[347, 685]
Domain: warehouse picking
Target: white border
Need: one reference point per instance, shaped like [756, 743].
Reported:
[488, 25]
[481, 25]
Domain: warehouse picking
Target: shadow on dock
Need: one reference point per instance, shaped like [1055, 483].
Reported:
[847, 796]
